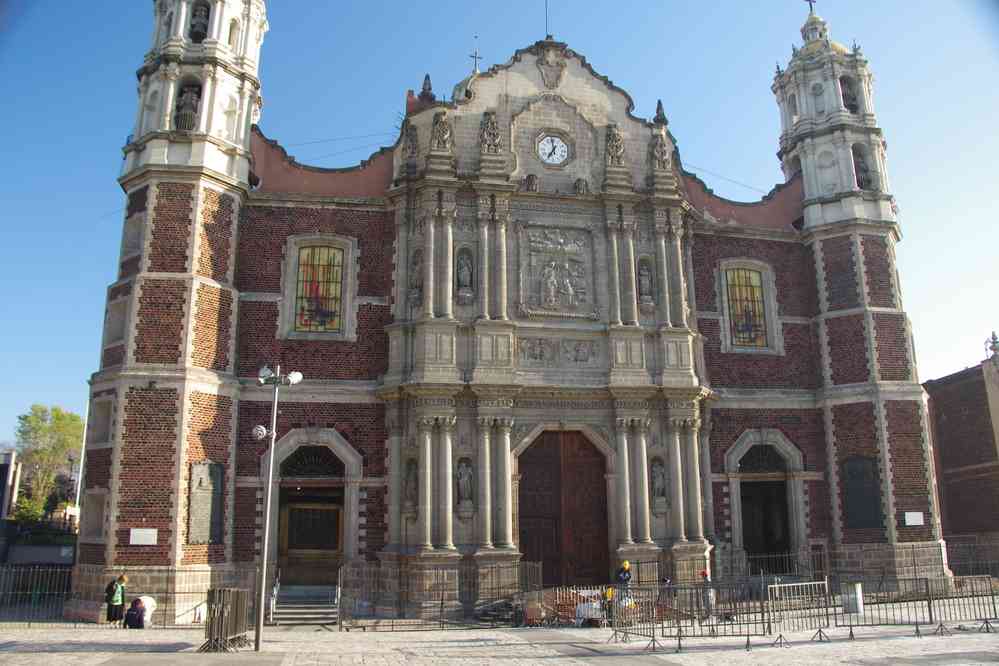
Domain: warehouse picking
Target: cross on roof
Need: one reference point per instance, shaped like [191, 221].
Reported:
[811, 6]
[475, 57]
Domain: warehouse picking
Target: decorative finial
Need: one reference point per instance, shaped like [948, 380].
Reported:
[779, 70]
[856, 48]
[475, 56]
[660, 118]
[811, 6]
[427, 92]
[992, 344]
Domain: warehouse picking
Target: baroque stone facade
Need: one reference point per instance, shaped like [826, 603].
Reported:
[529, 257]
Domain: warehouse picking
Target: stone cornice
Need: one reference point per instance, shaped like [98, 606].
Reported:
[175, 173]
[289, 200]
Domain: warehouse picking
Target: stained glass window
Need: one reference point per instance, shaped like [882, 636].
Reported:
[319, 291]
[746, 313]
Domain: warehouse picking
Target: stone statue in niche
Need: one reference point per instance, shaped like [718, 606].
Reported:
[411, 493]
[463, 275]
[441, 139]
[644, 282]
[489, 135]
[187, 108]
[464, 481]
[615, 145]
[582, 186]
[658, 474]
[660, 152]
[416, 278]
[199, 24]
[818, 92]
[531, 183]
[865, 180]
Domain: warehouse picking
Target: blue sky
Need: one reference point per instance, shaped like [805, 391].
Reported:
[341, 68]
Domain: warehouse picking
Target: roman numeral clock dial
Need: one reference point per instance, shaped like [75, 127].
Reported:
[553, 150]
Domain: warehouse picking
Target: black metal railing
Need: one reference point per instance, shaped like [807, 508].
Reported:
[228, 620]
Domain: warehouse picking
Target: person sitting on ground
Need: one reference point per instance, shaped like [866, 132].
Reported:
[135, 617]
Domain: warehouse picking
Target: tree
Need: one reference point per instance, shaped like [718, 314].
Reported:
[47, 439]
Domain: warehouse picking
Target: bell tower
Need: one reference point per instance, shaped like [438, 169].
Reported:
[165, 396]
[829, 132]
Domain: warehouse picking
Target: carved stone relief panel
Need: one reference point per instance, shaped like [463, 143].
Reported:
[552, 66]
[556, 272]
[494, 350]
[537, 352]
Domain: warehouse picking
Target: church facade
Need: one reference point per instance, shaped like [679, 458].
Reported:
[526, 331]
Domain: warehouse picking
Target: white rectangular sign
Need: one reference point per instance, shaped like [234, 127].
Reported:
[142, 537]
[914, 518]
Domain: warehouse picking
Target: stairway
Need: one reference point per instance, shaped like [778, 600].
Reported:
[306, 604]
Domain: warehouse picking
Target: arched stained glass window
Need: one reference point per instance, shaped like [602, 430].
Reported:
[746, 312]
[319, 291]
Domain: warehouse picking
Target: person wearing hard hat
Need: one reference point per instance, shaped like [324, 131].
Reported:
[623, 575]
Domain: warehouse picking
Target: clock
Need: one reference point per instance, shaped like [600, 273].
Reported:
[552, 150]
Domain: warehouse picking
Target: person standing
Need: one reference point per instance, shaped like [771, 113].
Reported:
[114, 597]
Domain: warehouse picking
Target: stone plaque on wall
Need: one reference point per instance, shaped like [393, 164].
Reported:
[204, 513]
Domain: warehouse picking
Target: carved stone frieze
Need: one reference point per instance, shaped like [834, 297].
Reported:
[562, 405]
[495, 403]
[556, 276]
[537, 352]
[433, 402]
[580, 352]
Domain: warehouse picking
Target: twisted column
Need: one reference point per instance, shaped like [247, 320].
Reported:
[643, 527]
[504, 458]
[447, 227]
[623, 485]
[615, 279]
[446, 495]
[676, 482]
[424, 538]
[485, 489]
[629, 236]
[695, 521]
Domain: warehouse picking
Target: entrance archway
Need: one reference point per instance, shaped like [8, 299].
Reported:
[563, 508]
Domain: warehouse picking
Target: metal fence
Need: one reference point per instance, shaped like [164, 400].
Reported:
[228, 620]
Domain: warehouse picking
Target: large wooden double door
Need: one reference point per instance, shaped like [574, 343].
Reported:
[563, 509]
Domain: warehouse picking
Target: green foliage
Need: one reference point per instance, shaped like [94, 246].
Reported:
[47, 438]
[29, 510]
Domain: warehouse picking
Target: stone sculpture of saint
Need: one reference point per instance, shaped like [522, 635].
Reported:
[549, 285]
[464, 482]
[442, 132]
[464, 272]
[199, 24]
[644, 282]
[187, 108]
[864, 180]
[658, 479]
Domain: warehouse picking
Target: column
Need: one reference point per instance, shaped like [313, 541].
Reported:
[663, 272]
[395, 484]
[446, 508]
[675, 481]
[615, 280]
[424, 538]
[447, 227]
[140, 113]
[171, 74]
[484, 468]
[504, 500]
[401, 261]
[623, 485]
[681, 287]
[695, 520]
[246, 101]
[428, 267]
[483, 267]
[643, 528]
[183, 14]
[501, 269]
[629, 236]
[844, 156]
[206, 106]
[216, 20]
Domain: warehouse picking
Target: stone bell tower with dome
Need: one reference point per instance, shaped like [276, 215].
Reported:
[162, 425]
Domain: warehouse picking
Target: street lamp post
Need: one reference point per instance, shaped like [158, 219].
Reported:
[267, 377]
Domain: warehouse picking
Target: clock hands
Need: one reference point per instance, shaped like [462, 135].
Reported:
[554, 147]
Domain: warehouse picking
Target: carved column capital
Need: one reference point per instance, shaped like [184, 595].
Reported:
[485, 422]
[622, 425]
[641, 424]
[447, 422]
[426, 423]
[505, 424]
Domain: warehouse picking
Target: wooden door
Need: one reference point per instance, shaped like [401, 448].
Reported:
[563, 509]
[311, 543]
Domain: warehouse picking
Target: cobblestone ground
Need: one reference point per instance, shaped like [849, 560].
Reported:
[58, 645]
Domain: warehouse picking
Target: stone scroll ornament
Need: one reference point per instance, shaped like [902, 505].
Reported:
[489, 134]
[441, 140]
[615, 145]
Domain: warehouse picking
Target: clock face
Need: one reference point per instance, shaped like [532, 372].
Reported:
[553, 150]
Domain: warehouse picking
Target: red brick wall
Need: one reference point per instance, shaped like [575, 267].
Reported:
[171, 227]
[91, 553]
[967, 499]
[160, 329]
[892, 346]
[113, 356]
[212, 329]
[137, 200]
[362, 425]
[98, 472]
[910, 480]
[375, 508]
[797, 368]
[855, 435]
[208, 439]
[365, 359]
[146, 473]
[847, 349]
[819, 514]
[792, 263]
[215, 235]
[245, 524]
[878, 269]
[803, 427]
[840, 270]
[963, 433]
[720, 500]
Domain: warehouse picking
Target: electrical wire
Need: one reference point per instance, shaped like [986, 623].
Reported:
[339, 138]
[725, 178]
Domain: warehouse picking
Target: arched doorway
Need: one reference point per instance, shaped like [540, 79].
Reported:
[310, 523]
[563, 509]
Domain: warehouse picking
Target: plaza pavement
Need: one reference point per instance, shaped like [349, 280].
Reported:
[314, 646]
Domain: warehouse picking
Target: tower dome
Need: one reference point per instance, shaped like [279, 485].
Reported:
[815, 33]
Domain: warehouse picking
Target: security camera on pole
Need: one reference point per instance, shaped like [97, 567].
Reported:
[268, 377]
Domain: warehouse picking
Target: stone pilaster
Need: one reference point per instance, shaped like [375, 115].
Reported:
[428, 267]
[485, 471]
[501, 285]
[446, 475]
[695, 521]
[484, 294]
[623, 484]
[447, 275]
[424, 537]
[676, 236]
[615, 276]
[631, 268]
[663, 271]
[676, 516]
[504, 499]
[643, 528]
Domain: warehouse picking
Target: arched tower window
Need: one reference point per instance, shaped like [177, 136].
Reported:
[188, 103]
[319, 291]
[863, 167]
[200, 19]
[233, 34]
[849, 89]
